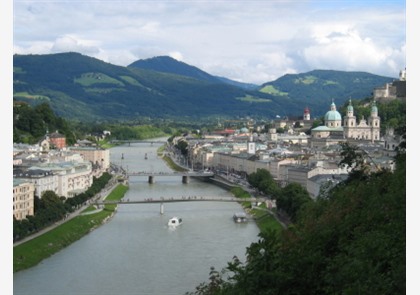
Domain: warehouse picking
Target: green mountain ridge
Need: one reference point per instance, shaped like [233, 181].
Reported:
[84, 88]
[315, 86]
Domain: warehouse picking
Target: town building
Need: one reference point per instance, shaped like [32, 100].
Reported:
[57, 140]
[43, 180]
[99, 157]
[23, 198]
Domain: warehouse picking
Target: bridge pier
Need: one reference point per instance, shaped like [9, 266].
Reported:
[151, 179]
[161, 208]
[185, 179]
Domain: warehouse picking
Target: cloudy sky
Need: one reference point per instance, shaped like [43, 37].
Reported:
[248, 41]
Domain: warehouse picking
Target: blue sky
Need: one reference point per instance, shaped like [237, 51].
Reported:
[248, 41]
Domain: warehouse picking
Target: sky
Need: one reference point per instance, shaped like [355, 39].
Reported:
[247, 41]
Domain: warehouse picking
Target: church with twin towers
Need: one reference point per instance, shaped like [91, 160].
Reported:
[337, 129]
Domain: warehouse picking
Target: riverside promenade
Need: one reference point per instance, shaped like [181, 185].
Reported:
[99, 196]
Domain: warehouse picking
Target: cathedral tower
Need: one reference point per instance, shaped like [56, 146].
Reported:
[374, 121]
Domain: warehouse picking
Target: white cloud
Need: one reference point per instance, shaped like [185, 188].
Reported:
[250, 41]
[69, 43]
[176, 55]
[346, 49]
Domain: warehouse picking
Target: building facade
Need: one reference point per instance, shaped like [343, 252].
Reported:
[99, 157]
[333, 132]
[57, 140]
[367, 130]
[43, 180]
[23, 198]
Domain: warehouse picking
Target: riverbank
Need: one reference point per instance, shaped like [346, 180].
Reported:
[32, 252]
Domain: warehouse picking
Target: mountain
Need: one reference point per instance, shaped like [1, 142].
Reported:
[84, 88]
[319, 87]
[166, 64]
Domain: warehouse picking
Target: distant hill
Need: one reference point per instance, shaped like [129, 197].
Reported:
[168, 64]
[84, 88]
[319, 87]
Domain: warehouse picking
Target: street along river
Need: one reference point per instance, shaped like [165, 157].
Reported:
[136, 253]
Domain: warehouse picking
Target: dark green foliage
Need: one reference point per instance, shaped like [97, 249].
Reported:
[351, 242]
[288, 199]
[30, 124]
[182, 146]
[292, 198]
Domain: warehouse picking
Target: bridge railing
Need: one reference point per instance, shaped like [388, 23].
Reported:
[182, 199]
[141, 173]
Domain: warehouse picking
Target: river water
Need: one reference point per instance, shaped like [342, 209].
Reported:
[136, 253]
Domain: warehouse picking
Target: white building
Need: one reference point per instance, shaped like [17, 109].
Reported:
[72, 178]
[43, 180]
[23, 198]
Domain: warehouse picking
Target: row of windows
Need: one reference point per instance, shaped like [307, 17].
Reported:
[21, 198]
[21, 206]
[376, 123]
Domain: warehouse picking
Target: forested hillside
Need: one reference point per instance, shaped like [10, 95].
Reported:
[30, 124]
[319, 87]
[87, 89]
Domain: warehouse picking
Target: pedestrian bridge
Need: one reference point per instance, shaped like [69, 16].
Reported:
[185, 175]
[181, 199]
[163, 200]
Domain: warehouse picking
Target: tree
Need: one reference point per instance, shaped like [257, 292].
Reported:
[291, 198]
[354, 159]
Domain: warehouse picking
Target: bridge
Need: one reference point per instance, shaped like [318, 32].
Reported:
[162, 200]
[129, 141]
[185, 175]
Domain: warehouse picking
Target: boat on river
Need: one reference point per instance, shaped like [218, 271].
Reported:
[240, 217]
[175, 221]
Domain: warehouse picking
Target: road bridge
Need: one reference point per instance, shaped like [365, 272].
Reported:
[130, 141]
[185, 175]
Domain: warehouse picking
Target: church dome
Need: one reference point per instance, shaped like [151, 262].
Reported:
[332, 114]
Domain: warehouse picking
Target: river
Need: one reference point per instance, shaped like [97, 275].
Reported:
[136, 253]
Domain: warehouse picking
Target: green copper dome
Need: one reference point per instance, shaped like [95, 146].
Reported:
[332, 114]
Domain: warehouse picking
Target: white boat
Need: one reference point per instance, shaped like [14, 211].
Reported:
[174, 221]
[240, 217]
